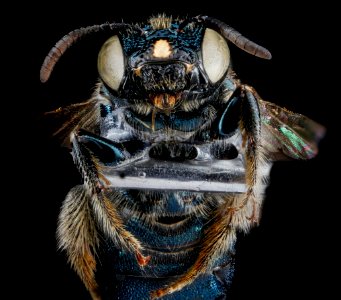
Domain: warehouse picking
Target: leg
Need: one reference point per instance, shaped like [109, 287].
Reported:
[77, 235]
[237, 212]
[250, 124]
[104, 210]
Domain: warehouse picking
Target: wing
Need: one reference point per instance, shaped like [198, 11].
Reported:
[84, 115]
[287, 134]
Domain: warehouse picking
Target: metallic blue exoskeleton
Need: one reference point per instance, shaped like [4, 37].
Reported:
[174, 151]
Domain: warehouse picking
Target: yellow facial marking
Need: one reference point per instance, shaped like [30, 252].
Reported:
[162, 49]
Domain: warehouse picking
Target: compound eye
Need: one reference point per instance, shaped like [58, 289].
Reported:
[110, 62]
[215, 55]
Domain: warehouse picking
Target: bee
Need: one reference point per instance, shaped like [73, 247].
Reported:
[175, 154]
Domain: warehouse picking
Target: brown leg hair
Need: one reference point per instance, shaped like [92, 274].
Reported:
[77, 235]
[238, 212]
[104, 210]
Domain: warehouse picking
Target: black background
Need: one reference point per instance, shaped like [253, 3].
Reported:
[291, 252]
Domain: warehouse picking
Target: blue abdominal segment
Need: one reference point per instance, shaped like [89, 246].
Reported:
[173, 248]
